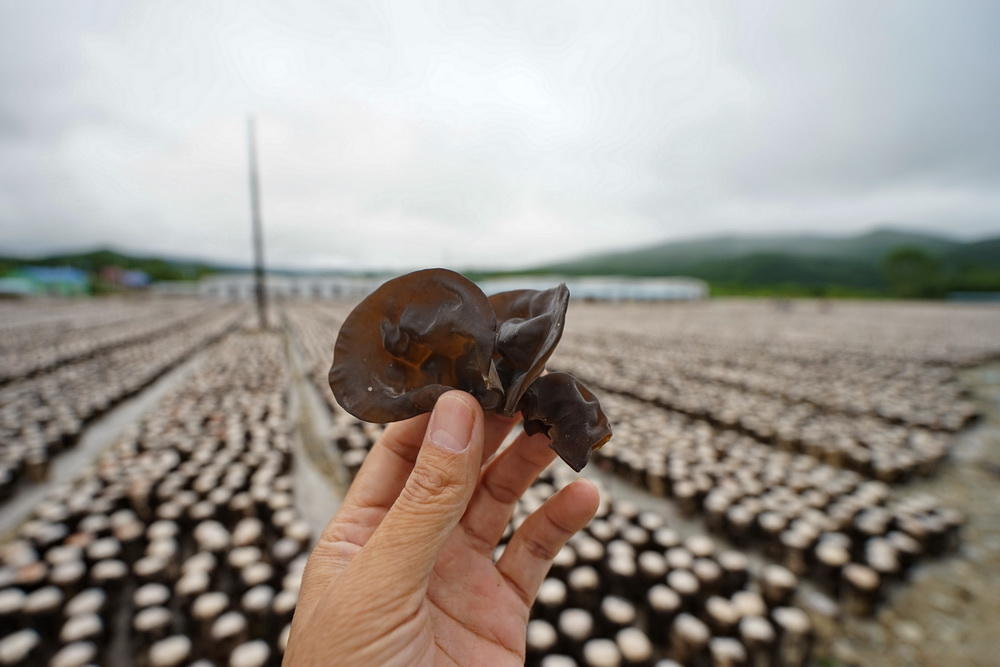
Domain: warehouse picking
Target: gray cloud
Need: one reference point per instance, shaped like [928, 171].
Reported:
[491, 134]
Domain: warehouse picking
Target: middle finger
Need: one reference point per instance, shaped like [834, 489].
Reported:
[500, 486]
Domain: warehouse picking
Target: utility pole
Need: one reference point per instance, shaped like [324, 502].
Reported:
[260, 289]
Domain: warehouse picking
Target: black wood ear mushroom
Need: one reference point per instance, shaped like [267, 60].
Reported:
[561, 407]
[411, 340]
[530, 324]
[426, 332]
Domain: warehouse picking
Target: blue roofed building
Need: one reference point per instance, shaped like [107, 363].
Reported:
[55, 280]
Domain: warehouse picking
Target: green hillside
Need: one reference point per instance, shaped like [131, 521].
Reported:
[873, 263]
[867, 247]
[883, 262]
[985, 252]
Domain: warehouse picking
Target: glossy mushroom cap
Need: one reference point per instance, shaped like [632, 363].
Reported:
[411, 340]
[560, 406]
[424, 333]
[530, 324]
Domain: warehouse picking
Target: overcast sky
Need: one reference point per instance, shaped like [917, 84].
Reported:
[490, 134]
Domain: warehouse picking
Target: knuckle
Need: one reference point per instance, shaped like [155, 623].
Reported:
[432, 484]
[332, 553]
[502, 492]
[556, 528]
[539, 549]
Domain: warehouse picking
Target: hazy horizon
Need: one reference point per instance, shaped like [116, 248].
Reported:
[495, 135]
[139, 252]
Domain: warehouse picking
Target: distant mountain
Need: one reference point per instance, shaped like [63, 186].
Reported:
[652, 260]
[986, 252]
[813, 262]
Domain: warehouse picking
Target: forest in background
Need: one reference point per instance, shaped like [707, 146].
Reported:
[880, 263]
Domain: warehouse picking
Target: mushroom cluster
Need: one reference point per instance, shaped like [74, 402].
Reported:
[181, 544]
[46, 412]
[424, 333]
[35, 339]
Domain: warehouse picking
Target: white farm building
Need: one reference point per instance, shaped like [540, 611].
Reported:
[240, 287]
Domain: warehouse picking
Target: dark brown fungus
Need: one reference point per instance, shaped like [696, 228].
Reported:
[563, 408]
[529, 326]
[411, 340]
[421, 334]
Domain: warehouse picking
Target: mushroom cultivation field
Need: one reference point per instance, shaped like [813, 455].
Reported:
[788, 483]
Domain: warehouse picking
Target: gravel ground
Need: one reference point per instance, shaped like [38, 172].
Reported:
[949, 613]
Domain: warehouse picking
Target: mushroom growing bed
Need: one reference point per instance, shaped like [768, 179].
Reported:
[784, 485]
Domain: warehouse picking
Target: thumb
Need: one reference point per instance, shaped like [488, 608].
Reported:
[435, 495]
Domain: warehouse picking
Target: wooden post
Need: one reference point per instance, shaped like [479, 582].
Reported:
[260, 290]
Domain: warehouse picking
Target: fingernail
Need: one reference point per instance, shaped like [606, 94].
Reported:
[451, 423]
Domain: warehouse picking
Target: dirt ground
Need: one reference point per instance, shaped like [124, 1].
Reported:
[949, 613]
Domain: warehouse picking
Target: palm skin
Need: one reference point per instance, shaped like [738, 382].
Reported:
[393, 581]
[470, 615]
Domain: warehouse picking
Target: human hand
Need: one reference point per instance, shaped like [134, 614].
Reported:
[404, 573]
